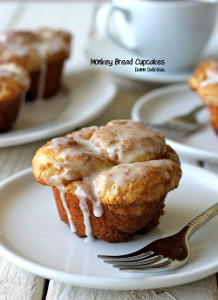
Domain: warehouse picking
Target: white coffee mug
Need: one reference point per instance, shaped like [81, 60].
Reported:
[174, 31]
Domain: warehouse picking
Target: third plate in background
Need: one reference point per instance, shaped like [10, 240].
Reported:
[167, 102]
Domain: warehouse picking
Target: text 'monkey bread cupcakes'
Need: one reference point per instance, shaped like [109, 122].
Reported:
[42, 53]
[110, 181]
[14, 83]
[205, 82]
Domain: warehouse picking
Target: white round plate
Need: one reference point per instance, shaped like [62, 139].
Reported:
[107, 50]
[173, 100]
[82, 98]
[33, 237]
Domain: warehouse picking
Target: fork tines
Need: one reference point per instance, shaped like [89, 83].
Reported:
[140, 262]
[128, 257]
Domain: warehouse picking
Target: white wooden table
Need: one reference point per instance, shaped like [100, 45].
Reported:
[16, 283]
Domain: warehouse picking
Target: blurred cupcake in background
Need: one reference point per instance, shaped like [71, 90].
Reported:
[205, 82]
[42, 53]
[14, 83]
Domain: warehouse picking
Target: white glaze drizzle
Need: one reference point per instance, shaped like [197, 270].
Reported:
[67, 175]
[212, 75]
[11, 69]
[89, 239]
[53, 45]
[62, 195]
[42, 78]
[89, 187]
[69, 148]
[121, 174]
[125, 145]
[47, 43]
[72, 167]
[85, 143]
[97, 207]
[61, 142]
[85, 189]
[82, 196]
[58, 143]
[13, 49]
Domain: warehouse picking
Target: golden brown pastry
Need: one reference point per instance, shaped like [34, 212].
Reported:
[205, 82]
[14, 83]
[109, 182]
[42, 53]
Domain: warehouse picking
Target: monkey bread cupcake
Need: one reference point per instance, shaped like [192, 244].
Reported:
[14, 83]
[110, 181]
[205, 82]
[42, 53]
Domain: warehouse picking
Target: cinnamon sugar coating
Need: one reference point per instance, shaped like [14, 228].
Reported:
[137, 182]
[70, 161]
[121, 142]
[118, 175]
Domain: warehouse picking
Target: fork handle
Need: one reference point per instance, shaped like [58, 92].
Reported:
[201, 219]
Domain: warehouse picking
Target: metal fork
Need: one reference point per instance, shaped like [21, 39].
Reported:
[179, 126]
[164, 254]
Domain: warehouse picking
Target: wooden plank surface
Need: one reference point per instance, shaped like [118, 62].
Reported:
[202, 290]
[18, 284]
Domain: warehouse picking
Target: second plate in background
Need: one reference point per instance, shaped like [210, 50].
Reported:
[164, 103]
[84, 96]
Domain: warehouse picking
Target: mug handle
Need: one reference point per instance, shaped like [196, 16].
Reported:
[103, 18]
